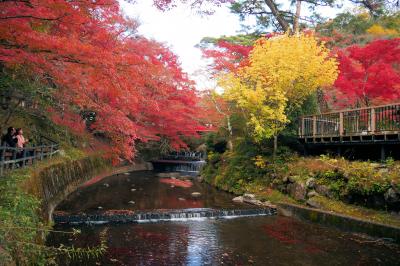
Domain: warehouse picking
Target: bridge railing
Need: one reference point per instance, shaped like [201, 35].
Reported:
[11, 158]
[360, 121]
[184, 156]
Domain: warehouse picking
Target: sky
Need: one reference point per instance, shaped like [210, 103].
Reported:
[182, 29]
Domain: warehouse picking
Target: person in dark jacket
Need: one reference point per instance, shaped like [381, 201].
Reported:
[10, 138]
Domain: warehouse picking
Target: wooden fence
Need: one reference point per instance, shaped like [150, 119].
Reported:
[11, 158]
[376, 120]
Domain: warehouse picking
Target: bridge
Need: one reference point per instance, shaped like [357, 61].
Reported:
[376, 125]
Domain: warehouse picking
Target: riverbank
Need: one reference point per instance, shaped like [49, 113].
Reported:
[363, 190]
[27, 198]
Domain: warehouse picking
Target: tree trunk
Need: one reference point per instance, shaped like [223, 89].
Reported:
[277, 14]
[275, 146]
[230, 143]
[296, 17]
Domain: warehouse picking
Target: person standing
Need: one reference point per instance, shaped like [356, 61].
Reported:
[9, 139]
[21, 141]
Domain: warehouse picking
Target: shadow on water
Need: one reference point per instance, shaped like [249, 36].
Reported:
[263, 240]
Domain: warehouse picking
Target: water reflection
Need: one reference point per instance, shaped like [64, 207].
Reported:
[268, 240]
[202, 240]
[144, 191]
[242, 241]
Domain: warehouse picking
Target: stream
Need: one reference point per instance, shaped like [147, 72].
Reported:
[192, 223]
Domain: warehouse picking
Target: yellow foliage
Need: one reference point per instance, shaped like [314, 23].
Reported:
[260, 162]
[283, 71]
[381, 31]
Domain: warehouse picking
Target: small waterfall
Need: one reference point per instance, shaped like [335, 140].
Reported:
[158, 216]
[187, 162]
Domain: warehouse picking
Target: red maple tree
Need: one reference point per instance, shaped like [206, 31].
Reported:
[94, 60]
[369, 74]
[227, 57]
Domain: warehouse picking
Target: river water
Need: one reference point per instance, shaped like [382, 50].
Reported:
[256, 240]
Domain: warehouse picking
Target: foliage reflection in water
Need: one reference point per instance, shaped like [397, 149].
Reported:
[268, 240]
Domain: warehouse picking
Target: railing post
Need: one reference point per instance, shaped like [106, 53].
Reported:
[3, 151]
[14, 157]
[41, 153]
[314, 130]
[341, 129]
[23, 158]
[34, 155]
[373, 120]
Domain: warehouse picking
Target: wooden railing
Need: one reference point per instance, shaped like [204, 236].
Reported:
[361, 121]
[11, 158]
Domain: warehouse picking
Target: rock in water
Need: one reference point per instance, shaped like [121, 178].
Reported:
[131, 202]
[133, 189]
[127, 173]
[196, 194]
[171, 175]
[249, 196]
[238, 199]
[106, 185]
[313, 203]
[181, 199]
[100, 208]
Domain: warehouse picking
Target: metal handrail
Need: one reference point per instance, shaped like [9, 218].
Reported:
[12, 157]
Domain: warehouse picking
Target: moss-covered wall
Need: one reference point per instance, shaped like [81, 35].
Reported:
[53, 183]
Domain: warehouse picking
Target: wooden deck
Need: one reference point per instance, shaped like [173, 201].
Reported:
[369, 125]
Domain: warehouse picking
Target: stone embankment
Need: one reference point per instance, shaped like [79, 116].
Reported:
[305, 191]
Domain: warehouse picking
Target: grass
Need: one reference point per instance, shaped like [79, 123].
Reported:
[22, 225]
[358, 211]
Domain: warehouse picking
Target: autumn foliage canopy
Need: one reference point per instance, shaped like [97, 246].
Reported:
[369, 74]
[93, 59]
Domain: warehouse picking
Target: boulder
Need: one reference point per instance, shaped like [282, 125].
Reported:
[310, 183]
[312, 193]
[313, 203]
[195, 194]
[392, 196]
[297, 190]
[251, 199]
[249, 196]
[238, 199]
[324, 191]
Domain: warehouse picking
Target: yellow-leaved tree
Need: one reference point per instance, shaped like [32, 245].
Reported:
[283, 71]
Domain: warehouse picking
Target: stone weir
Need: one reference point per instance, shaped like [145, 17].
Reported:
[127, 216]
